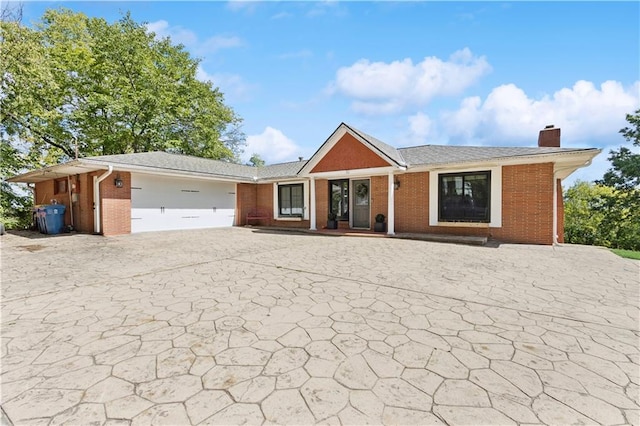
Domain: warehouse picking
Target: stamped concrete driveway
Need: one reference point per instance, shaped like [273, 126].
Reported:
[239, 326]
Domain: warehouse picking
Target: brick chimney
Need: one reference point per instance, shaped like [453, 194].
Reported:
[549, 137]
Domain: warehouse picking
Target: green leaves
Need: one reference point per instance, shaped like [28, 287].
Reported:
[110, 88]
[607, 213]
[114, 88]
[625, 171]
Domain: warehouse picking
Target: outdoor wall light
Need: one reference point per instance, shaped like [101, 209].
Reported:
[118, 182]
[396, 184]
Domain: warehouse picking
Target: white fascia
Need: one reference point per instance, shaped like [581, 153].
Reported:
[305, 196]
[177, 173]
[357, 173]
[495, 194]
[324, 149]
[567, 157]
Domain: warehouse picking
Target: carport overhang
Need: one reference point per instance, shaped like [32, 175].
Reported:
[58, 171]
[87, 166]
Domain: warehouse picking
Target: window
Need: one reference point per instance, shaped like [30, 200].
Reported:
[60, 186]
[339, 198]
[290, 200]
[464, 197]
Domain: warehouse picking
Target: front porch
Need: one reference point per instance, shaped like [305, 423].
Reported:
[439, 238]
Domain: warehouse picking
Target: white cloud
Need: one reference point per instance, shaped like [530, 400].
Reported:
[384, 88]
[272, 145]
[420, 129]
[508, 116]
[220, 42]
[234, 87]
[177, 34]
[190, 39]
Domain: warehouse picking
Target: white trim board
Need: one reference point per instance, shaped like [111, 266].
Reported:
[496, 195]
[305, 197]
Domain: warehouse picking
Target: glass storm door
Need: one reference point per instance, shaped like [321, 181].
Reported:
[361, 210]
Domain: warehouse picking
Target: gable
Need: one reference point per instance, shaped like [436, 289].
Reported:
[349, 154]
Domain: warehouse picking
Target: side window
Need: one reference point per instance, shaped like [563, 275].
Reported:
[290, 200]
[60, 186]
[339, 198]
[464, 197]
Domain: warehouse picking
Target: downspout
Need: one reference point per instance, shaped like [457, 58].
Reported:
[96, 198]
[555, 200]
[555, 208]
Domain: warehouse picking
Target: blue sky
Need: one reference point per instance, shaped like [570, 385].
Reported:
[409, 73]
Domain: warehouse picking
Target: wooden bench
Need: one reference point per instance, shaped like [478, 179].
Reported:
[258, 213]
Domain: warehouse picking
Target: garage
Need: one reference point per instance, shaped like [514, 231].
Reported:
[163, 203]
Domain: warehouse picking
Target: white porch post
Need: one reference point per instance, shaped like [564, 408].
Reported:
[391, 207]
[312, 204]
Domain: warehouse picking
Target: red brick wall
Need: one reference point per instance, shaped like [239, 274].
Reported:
[322, 202]
[264, 197]
[527, 204]
[260, 196]
[412, 208]
[116, 205]
[412, 203]
[348, 154]
[379, 197]
[83, 209]
[246, 199]
[44, 192]
[527, 209]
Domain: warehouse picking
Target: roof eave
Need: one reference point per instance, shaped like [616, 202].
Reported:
[123, 167]
[56, 171]
[374, 147]
[508, 160]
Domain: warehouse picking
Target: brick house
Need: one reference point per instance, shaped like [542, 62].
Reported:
[511, 194]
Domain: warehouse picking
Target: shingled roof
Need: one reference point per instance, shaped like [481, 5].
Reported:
[417, 156]
[448, 154]
[178, 163]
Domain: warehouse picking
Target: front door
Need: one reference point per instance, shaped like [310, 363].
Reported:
[361, 211]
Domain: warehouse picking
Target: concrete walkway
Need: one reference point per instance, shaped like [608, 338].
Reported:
[237, 326]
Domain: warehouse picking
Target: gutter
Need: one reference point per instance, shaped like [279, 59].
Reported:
[96, 198]
[136, 168]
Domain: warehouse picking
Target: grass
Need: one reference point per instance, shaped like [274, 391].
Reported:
[629, 254]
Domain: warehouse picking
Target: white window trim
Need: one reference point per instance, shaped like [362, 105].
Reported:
[305, 195]
[496, 197]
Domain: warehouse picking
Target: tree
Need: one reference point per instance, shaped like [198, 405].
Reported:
[110, 88]
[625, 171]
[623, 206]
[583, 215]
[256, 161]
[607, 213]
[74, 82]
[600, 215]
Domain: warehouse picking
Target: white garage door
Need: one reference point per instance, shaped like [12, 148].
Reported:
[160, 203]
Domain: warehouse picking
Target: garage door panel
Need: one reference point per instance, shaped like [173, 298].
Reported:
[162, 203]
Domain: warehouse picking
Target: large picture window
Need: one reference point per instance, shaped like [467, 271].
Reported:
[339, 198]
[291, 200]
[464, 197]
